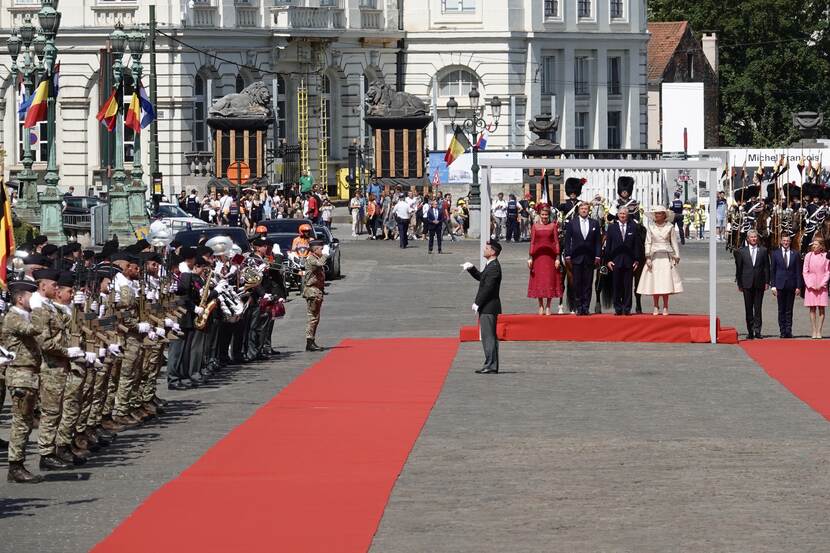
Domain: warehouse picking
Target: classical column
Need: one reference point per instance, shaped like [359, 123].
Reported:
[601, 100]
[568, 134]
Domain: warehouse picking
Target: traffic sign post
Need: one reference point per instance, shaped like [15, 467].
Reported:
[238, 172]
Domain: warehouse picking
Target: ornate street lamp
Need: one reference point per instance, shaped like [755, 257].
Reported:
[137, 191]
[119, 207]
[473, 125]
[51, 216]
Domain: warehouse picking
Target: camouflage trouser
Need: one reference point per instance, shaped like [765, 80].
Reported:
[23, 417]
[2, 389]
[313, 306]
[150, 374]
[112, 387]
[52, 385]
[86, 399]
[101, 380]
[125, 397]
[71, 406]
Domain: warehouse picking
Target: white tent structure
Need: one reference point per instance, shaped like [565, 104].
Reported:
[710, 167]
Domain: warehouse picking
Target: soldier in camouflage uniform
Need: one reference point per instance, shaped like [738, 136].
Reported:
[18, 335]
[314, 282]
[153, 344]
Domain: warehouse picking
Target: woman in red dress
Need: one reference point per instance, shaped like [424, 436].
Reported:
[545, 282]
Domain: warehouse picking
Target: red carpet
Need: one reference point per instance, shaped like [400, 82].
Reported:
[605, 328]
[312, 470]
[802, 366]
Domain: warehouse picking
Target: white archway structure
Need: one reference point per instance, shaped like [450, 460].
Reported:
[710, 165]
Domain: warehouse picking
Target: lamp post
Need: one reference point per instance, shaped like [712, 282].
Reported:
[137, 191]
[119, 208]
[51, 216]
[20, 43]
[473, 125]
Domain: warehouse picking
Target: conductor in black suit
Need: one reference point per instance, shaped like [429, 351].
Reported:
[488, 304]
[582, 252]
[622, 250]
[752, 276]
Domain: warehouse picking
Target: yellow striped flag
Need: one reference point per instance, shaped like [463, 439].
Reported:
[37, 109]
[6, 233]
[458, 145]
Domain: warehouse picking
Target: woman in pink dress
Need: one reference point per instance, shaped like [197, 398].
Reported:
[816, 275]
[545, 281]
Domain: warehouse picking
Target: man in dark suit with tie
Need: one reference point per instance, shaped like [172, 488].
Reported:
[752, 276]
[786, 282]
[435, 224]
[488, 304]
[620, 255]
[582, 252]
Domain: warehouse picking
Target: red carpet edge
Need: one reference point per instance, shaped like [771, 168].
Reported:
[310, 471]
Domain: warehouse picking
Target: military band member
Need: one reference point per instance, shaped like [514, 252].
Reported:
[314, 282]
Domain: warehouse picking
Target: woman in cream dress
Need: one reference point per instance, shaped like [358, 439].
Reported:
[660, 276]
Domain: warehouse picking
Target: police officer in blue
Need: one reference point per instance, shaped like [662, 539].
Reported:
[677, 208]
[513, 230]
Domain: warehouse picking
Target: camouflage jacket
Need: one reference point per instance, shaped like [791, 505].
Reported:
[19, 336]
[314, 280]
[53, 328]
[126, 303]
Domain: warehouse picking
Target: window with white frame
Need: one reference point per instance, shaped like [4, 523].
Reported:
[581, 129]
[583, 9]
[617, 9]
[458, 6]
[38, 140]
[614, 135]
[614, 75]
[551, 8]
[458, 83]
[581, 76]
[549, 75]
[369, 4]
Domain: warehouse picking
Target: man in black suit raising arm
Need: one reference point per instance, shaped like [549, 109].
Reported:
[582, 252]
[488, 304]
[752, 276]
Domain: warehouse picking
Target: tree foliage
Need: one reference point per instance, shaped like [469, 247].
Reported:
[774, 60]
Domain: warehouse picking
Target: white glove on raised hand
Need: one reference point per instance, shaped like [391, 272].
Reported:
[144, 328]
[74, 352]
[152, 335]
[169, 323]
[79, 298]
[91, 357]
[475, 308]
[275, 249]
[199, 310]
[467, 265]
[114, 349]
[281, 300]
[102, 352]
[177, 328]
[159, 331]
[326, 250]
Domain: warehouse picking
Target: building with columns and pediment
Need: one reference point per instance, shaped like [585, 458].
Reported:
[585, 59]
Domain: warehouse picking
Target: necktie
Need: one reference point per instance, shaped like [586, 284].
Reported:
[753, 255]
[623, 230]
[786, 258]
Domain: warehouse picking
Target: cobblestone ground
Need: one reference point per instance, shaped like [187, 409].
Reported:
[577, 447]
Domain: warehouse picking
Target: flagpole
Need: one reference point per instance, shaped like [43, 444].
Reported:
[137, 191]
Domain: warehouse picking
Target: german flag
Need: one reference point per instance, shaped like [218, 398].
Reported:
[37, 108]
[458, 145]
[133, 117]
[109, 111]
[6, 233]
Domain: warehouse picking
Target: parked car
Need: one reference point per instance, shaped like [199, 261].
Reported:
[175, 217]
[191, 238]
[79, 205]
[333, 263]
[284, 231]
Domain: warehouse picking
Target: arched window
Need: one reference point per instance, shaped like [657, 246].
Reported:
[457, 82]
[240, 83]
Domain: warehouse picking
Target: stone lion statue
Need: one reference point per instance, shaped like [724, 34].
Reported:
[382, 101]
[253, 102]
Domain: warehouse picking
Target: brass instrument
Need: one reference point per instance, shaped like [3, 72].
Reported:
[207, 305]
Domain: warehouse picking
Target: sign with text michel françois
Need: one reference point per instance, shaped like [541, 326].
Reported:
[769, 157]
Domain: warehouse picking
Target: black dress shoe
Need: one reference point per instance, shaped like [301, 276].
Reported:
[759, 337]
[487, 371]
[50, 462]
[618, 313]
[750, 336]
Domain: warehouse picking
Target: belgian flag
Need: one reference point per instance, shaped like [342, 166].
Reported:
[6, 233]
[458, 145]
[109, 111]
[37, 107]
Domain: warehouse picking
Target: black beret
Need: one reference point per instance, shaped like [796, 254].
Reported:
[125, 256]
[138, 247]
[202, 262]
[38, 240]
[49, 249]
[46, 274]
[22, 286]
[67, 278]
[88, 254]
[37, 259]
[72, 247]
[151, 256]
[187, 253]
[259, 241]
[202, 251]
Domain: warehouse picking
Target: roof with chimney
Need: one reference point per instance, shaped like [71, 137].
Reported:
[663, 43]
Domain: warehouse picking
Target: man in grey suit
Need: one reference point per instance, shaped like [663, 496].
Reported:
[752, 276]
[488, 304]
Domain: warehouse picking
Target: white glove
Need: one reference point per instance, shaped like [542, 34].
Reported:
[114, 349]
[467, 265]
[177, 328]
[144, 328]
[159, 331]
[95, 307]
[222, 286]
[199, 310]
[326, 250]
[281, 300]
[4, 361]
[267, 297]
[102, 352]
[475, 308]
[74, 352]
[152, 335]
[79, 298]
[10, 355]
[169, 323]
[275, 249]
[91, 357]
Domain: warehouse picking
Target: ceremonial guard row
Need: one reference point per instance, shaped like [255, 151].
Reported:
[84, 334]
